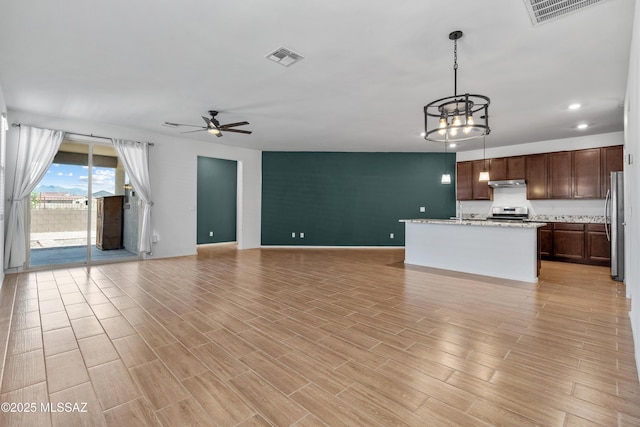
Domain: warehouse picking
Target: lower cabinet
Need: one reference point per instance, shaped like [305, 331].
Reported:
[598, 245]
[574, 242]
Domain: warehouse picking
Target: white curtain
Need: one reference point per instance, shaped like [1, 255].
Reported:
[36, 150]
[135, 158]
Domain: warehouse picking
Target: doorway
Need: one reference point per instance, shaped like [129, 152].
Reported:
[66, 209]
[217, 189]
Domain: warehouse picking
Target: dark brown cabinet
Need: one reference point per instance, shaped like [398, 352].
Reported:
[507, 168]
[568, 242]
[545, 240]
[574, 242]
[536, 174]
[464, 181]
[560, 175]
[515, 167]
[498, 168]
[612, 161]
[587, 174]
[468, 187]
[598, 246]
[109, 222]
[481, 189]
[578, 174]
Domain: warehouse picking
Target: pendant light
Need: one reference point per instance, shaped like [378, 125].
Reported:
[484, 175]
[446, 177]
[457, 117]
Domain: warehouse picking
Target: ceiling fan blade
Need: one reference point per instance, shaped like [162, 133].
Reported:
[174, 125]
[197, 130]
[230, 125]
[248, 132]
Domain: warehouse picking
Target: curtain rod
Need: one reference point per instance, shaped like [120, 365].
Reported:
[151, 144]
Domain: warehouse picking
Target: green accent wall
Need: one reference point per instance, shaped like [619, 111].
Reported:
[217, 188]
[351, 199]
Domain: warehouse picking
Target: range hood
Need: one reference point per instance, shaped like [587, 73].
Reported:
[507, 183]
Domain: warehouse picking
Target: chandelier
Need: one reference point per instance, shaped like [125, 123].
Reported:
[458, 117]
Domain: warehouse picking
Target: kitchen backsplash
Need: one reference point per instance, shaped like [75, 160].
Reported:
[588, 210]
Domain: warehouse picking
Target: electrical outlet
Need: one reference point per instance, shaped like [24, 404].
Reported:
[302, 235]
[211, 234]
[293, 235]
[423, 209]
[391, 236]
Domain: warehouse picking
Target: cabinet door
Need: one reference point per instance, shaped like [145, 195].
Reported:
[612, 161]
[498, 169]
[560, 175]
[545, 241]
[536, 176]
[587, 175]
[464, 188]
[598, 247]
[569, 242]
[515, 167]
[480, 188]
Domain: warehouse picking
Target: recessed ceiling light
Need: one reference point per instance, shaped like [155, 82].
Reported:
[582, 126]
[452, 145]
[574, 106]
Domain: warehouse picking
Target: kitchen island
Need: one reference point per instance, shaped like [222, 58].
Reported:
[507, 250]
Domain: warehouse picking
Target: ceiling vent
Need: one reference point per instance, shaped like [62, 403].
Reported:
[543, 11]
[285, 57]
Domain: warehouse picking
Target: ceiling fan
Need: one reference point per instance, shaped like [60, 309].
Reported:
[213, 125]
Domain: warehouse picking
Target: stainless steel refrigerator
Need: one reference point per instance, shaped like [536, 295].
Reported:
[614, 224]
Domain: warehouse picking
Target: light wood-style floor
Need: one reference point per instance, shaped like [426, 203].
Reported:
[316, 337]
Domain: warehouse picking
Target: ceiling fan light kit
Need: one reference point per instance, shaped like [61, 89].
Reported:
[458, 117]
[213, 126]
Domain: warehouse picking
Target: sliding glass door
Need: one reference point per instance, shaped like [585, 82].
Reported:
[80, 211]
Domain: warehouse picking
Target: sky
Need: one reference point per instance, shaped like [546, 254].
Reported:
[74, 176]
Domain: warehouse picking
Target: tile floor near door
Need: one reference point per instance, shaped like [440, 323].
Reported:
[314, 337]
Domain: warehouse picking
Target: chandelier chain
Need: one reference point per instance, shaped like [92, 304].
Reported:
[455, 67]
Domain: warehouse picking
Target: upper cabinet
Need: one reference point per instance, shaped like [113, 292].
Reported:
[612, 161]
[587, 174]
[578, 174]
[464, 181]
[536, 176]
[468, 187]
[498, 168]
[515, 167]
[560, 175]
[481, 189]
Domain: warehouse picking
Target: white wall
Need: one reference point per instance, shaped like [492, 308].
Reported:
[517, 196]
[173, 170]
[3, 110]
[632, 185]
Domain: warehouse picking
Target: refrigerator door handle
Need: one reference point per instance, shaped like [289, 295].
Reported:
[607, 200]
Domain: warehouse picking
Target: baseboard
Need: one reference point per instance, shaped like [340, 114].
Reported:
[327, 247]
[7, 299]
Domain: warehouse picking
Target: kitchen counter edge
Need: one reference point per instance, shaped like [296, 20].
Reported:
[472, 222]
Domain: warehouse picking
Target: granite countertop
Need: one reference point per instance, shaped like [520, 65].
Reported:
[477, 222]
[585, 219]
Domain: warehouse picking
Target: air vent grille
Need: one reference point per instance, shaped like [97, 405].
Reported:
[543, 11]
[285, 57]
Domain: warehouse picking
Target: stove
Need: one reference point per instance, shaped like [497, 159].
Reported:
[508, 214]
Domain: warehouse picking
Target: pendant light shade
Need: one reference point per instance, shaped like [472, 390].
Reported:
[484, 175]
[457, 117]
[446, 176]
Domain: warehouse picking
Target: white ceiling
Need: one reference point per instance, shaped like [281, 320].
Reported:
[369, 68]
